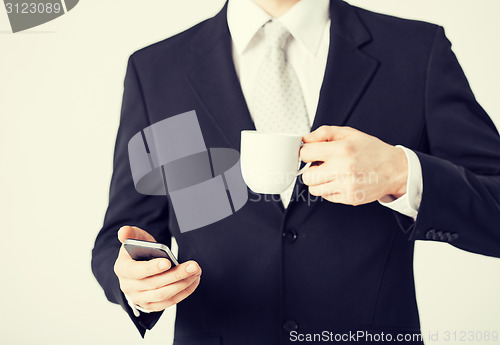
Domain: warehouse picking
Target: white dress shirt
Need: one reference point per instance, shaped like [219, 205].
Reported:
[308, 22]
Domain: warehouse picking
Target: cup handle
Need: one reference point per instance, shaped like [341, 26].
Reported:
[303, 169]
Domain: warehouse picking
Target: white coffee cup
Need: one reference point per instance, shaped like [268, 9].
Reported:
[270, 162]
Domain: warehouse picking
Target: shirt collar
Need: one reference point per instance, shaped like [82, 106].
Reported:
[306, 21]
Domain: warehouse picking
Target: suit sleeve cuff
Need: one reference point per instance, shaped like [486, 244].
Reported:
[409, 203]
[135, 308]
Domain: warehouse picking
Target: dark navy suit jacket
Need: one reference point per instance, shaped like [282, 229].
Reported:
[316, 265]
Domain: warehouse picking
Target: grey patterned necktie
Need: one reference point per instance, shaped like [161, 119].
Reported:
[278, 102]
[279, 106]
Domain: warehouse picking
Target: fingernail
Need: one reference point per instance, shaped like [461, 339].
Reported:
[163, 264]
[191, 268]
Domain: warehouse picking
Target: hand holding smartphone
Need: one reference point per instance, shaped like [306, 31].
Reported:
[144, 275]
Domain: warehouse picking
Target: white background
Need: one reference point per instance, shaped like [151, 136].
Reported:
[60, 94]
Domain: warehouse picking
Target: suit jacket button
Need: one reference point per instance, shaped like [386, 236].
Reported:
[290, 325]
[290, 236]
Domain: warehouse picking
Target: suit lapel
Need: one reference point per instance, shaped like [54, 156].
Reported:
[348, 70]
[348, 73]
[215, 82]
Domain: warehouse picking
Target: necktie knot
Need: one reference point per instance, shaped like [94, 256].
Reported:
[276, 35]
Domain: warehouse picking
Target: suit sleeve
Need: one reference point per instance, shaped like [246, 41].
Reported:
[126, 205]
[461, 164]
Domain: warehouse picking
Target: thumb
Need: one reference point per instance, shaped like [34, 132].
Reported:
[135, 233]
[328, 133]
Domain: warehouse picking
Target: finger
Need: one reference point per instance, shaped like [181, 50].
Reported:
[126, 267]
[165, 292]
[166, 278]
[338, 198]
[326, 189]
[319, 174]
[174, 299]
[327, 133]
[320, 151]
[135, 233]
[314, 152]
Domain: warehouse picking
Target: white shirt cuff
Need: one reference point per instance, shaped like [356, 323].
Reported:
[135, 308]
[409, 203]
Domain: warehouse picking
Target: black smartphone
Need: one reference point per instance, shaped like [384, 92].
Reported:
[146, 250]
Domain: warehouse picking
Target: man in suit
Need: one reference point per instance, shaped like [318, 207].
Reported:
[278, 271]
